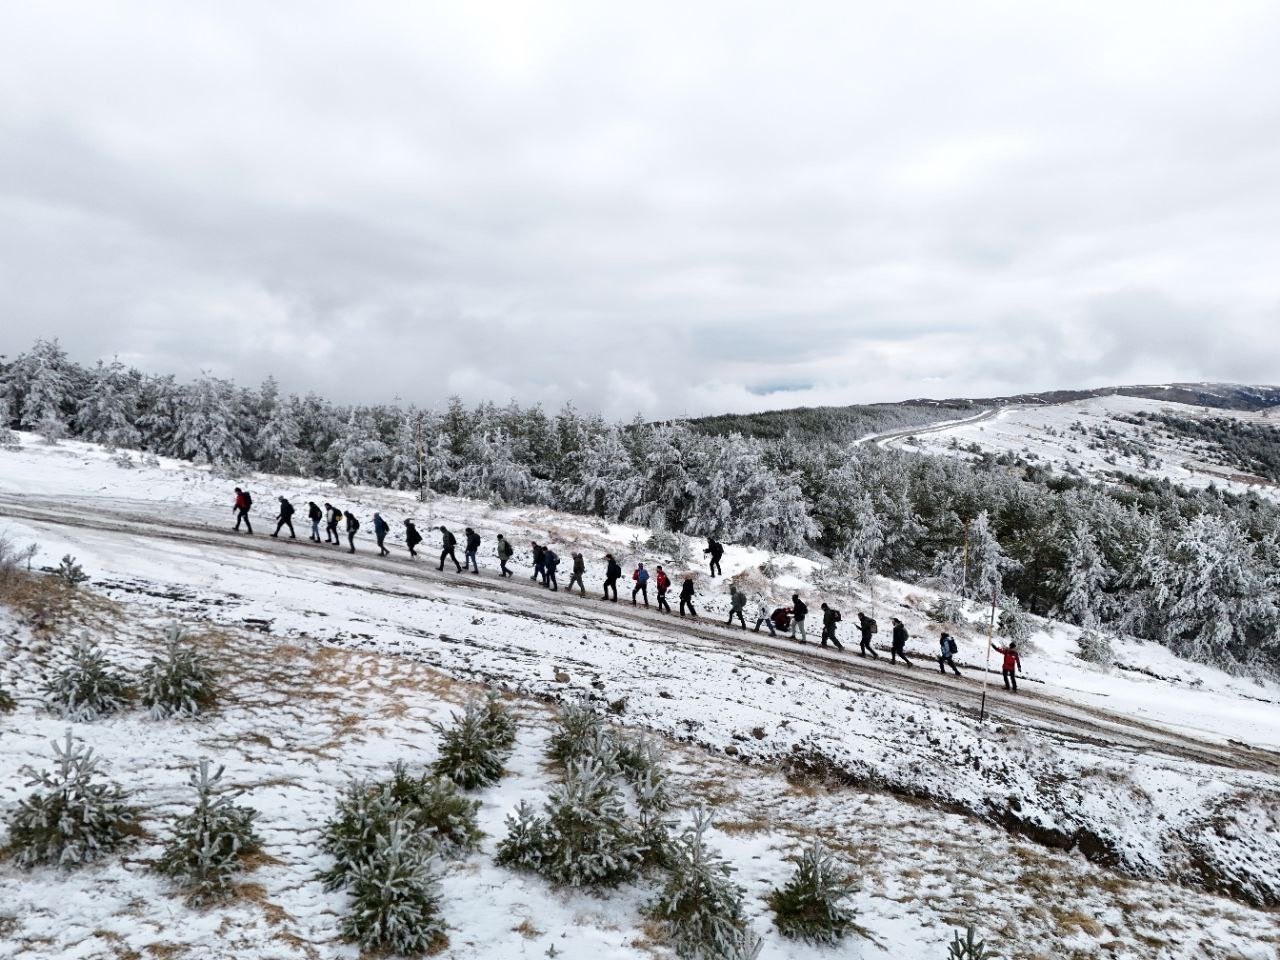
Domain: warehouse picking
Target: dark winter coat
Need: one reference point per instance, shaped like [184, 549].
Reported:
[352, 523]
[830, 617]
[948, 646]
[550, 559]
[715, 548]
[737, 600]
[686, 590]
[539, 555]
[798, 607]
[579, 565]
[473, 541]
[505, 549]
[380, 526]
[900, 636]
[286, 509]
[612, 571]
[448, 539]
[867, 626]
[314, 513]
[411, 535]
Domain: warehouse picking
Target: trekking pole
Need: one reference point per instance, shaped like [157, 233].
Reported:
[991, 638]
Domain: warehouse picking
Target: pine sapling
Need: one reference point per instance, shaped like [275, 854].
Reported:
[363, 811]
[69, 819]
[209, 842]
[395, 893]
[525, 845]
[70, 572]
[590, 841]
[500, 723]
[577, 734]
[812, 905]
[968, 948]
[700, 906]
[87, 688]
[469, 756]
[178, 682]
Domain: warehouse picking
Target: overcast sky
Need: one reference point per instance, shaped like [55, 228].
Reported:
[682, 208]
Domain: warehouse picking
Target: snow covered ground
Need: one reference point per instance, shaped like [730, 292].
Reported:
[1164, 775]
[1061, 436]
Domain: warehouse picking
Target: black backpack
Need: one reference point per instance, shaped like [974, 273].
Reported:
[835, 616]
[872, 626]
[248, 500]
[952, 647]
[352, 523]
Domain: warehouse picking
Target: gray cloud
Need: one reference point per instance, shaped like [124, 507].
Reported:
[667, 208]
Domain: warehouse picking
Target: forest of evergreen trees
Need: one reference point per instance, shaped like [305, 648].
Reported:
[1198, 571]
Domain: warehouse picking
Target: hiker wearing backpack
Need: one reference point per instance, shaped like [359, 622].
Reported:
[579, 570]
[539, 564]
[868, 628]
[550, 562]
[449, 541]
[737, 601]
[285, 519]
[663, 583]
[781, 618]
[412, 537]
[380, 530]
[899, 648]
[612, 573]
[504, 554]
[471, 546]
[764, 615]
[716, 549]
[686, 597]
[331, 524]
[352, 526]
[798, 612]
[241, 508]
[947, 648]
[641, 577]
[315, 516]
[1011, 662]
[830, 617]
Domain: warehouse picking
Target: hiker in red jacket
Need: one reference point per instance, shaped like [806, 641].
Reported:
[664, 584]
[243, 502]
[1011, 661]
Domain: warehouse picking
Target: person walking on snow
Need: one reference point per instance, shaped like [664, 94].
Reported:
[798, 612]
[579, 569]
[716, 550]
[241, 509]
[612, 573]
[285, 519]
[686, 597]
[737, 601]
[315, 515]
[830, 617]
[412, 537]
[539, 565]
[550, 561]
[504, 554]
[471, 547]
[331, 524]
[764, 615]
[352, 526]
[867, 627]
[1011, 662]
[899, 648]
[641, 577]
[663, 583]
[380, 530]
[449, 541]
[947, 648]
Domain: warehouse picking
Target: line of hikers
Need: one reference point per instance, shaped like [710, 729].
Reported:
[546, 562]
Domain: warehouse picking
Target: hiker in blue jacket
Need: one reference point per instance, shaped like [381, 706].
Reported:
[641, 578]
[947, 648]
[380, 530]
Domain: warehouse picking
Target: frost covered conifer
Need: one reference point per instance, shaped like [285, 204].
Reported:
[577, 733]
[106, 412]
[177, 682]
[395, 893]
[590, 841]
[8, 439]
[699, 905]
[1086, 578]
[499, 721]
[866, 540]
[435, 804]
[208, 843]
[470, 755]
[988, 559]
[206, 427]
[69, 819]
[812, 905]
[87, 688]
[363, 810]
[70, 572]
[525, 845]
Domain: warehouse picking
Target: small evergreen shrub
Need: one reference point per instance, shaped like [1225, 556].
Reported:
[1014, 623]
[367, 809]
[1096, 648]
[469, 754]
[87, 688]
[178, 682]
[205, 853]
[69, 819]
[525, 845]
[70, 572]
[585, 838]
[655, 831]
[811, 906]
[501, 724]
[395, 893]
[699, 905]
[577, 734]
[947, 610]
[968, 948]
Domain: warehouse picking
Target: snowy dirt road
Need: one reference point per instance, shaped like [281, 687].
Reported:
[1039, 707]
